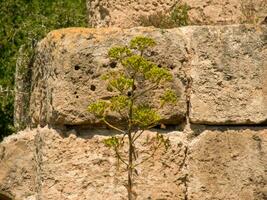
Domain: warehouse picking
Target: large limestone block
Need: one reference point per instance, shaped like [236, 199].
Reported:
[124, 14]
[229, 73]
[18, 166]
[69, 64]
[78, 166]
[218, 12]
[127, 13]
[228, 165]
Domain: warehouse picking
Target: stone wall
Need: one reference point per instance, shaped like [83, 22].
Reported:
[126, 14]
[217, 129]
[68, 68]
[220, 163]
[220, 70]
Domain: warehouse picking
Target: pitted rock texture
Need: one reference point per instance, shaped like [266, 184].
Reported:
[69, 64]
[228, 164]
[217, 12]
[18, 166]
[80, 166]
[76, 165]
[126, 14]
[229, 72]
[220, 72]
[220, 163]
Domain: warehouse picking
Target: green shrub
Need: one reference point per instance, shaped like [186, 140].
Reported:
[177, 17]
[25, 22]
[129, 86]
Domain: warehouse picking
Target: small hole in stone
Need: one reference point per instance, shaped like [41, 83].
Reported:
[104, 65]
[62, 36]
[75, 92]
[160, 66]
[172, 67]
[77, 97]
[113, 64]
[153, 53]
[93, 87]
[77, 67]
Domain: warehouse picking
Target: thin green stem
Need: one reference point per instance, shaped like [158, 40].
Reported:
[119, 157]
[145, 91]
[135, 136]
[111, 126]
[149, 157]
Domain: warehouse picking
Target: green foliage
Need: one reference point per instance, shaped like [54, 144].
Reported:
[169, 96]
[177, 17]
[119, 53]
[6, 115]
[144, 116]
[137, 64]
[120, 103]
[156, 75]
[121, 84]
[25, 22]
[142, 43]
[98, 108]
[180, 15]
[129, 85]
[124, 84]
[112, 142]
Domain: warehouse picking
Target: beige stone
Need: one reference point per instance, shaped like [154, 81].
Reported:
[220, 163]
[229, 72]
[227, 66]
[79, 166]
[18, 166]
[126, 14]
[69, 64]
[228, 164]
[217, 12]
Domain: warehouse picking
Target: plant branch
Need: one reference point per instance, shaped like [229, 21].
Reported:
[149, 157]
[135, 136]
[111, 126]
[119, 157]
[145, 91]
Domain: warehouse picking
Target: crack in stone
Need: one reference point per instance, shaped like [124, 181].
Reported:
[185, 180]
[187, 129]
[38, 160]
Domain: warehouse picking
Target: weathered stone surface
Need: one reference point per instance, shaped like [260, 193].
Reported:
[229, 72]
[18, 166]
[228, 165]
[68, 68]
[221, 163]
[79, 166]
[126, 14]
[217, 12]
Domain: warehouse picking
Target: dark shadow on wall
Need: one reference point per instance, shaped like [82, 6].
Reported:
[5, 197]
[199, 129]
[88, 132]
